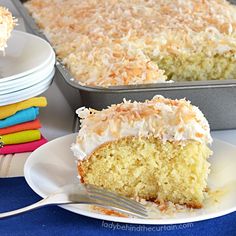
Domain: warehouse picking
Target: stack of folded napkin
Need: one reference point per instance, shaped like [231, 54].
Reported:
[19, 126]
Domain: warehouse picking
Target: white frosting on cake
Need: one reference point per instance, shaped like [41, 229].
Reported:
[109, 43]
[6, 26]
[166, 119]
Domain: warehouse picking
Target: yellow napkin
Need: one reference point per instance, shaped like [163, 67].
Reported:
[20, 137]
[10, 110]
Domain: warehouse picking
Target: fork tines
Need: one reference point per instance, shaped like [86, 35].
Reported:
[115, 201]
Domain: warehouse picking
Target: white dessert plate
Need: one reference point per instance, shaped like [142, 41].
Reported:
[25, 54]
[30, 92]
[53, 165]
[27, 81]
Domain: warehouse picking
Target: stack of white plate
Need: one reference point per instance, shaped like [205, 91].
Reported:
[26, 69]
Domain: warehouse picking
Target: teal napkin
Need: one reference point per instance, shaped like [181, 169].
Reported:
[20, 117]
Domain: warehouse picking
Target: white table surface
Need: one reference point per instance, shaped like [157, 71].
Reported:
[57, 119]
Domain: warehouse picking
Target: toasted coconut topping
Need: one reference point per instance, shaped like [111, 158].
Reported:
[166, 119]
[107, 43]
[6, 26]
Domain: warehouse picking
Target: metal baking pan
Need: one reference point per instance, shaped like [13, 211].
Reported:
[216, 99]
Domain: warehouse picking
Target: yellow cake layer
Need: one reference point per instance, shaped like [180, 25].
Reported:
[190, 67]
[150, 169]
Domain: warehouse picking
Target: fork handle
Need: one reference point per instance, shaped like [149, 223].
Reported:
[38, 204]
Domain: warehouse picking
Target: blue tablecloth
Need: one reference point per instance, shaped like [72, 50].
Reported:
[52, 220]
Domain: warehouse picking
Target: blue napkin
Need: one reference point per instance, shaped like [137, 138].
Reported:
[52, 220]
[20, 117]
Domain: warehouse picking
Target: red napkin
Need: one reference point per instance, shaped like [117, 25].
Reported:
[35, 124]
[24, 147]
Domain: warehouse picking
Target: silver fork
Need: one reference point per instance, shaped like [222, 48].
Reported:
[86, 194]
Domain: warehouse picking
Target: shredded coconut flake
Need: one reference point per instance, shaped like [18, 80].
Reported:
[166, 119]
[108, 43]
[6, 26]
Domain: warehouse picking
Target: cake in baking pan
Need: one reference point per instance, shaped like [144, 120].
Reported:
[6, 26]
[155, 150]
[109, 43]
